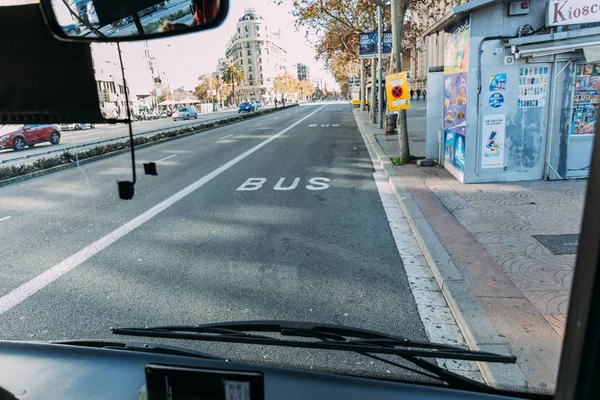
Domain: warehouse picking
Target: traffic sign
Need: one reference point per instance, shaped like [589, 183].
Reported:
[397, 92]
[396, 86]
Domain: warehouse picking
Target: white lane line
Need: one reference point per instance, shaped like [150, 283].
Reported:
[257, 125]
[166, 158]
[275, 118]
[30, 288]
[312, 125]
[335, 125]
[5, 218]
[224, 137]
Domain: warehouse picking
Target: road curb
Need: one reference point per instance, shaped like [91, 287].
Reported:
[476, 327]
[73, 164]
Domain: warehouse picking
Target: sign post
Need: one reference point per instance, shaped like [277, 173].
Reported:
[396, 86]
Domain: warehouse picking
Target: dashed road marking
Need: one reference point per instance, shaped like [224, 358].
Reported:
[259, 124]
[166, 158]
[224, 137]
[324, 125]
[312, 125]
[336, 125]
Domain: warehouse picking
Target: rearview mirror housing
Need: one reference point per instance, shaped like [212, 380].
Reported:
[130, 20]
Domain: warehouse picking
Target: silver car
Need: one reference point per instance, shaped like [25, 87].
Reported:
[185, 113]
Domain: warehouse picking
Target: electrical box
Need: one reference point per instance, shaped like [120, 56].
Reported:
[518, 8]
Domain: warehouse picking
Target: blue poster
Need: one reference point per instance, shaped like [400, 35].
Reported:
[368, 44]
[497, 82]
[496, 100]
[459, 152]
[449, 147]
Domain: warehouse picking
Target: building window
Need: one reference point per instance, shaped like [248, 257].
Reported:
[238, 30]
[260, 60]
[261, 67]
[249, 52]
[261, 76]
[257, 27]
[250, 68]
[259, 52]
[249, 61]
[246, 28]
[251, 77]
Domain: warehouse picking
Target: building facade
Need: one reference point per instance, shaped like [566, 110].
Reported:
[260, 54]
[109, 81]
[303, 72]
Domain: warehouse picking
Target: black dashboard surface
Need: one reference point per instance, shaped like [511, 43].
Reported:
[50, 371]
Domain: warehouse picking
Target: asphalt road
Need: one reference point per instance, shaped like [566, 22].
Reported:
[99, 133]
[311, 242]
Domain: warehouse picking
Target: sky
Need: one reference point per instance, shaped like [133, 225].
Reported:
[185, 58]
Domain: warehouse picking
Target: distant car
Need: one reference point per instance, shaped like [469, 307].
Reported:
[185, 113]
[18, 136]
[76, 126]
[258, 103]
[246, 107]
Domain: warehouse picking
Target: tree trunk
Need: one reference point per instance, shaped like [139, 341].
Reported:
[398, 10]
[233, 92]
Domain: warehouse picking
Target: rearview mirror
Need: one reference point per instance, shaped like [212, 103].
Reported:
[130, 20]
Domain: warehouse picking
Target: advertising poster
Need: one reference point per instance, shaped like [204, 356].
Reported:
[449, 147]
[497, 82]
[459, 152]
[496, 100]
[586, 97]
[533, 87]
[492, 150]
[456, 64]
[368, 44]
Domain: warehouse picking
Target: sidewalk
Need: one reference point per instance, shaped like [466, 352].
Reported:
[485, 239]
[416, 121]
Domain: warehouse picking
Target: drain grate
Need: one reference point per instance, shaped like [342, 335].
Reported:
[560, 244]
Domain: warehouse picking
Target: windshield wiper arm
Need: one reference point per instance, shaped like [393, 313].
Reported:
[136, 346]
[330, 337]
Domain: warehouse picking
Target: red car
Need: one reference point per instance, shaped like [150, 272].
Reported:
[18, 136]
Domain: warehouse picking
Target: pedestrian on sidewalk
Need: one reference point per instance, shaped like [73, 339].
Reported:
[412, 94]
[424, 94]
[275, 102]
[418, 94]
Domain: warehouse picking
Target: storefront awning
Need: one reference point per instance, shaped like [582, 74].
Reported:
[556, 47]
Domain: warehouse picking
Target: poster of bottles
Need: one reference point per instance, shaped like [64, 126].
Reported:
[533, 87]
[586, 97]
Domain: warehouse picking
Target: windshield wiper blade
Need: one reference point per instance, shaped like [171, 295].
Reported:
[136, 346]
[329, 337]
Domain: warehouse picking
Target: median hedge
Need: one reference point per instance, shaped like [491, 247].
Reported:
[67, 157]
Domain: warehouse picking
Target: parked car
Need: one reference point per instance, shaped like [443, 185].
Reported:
[258, 103]
[72, 30]
[18, 136]
[76, 126]
[185, 113]
[246, 107]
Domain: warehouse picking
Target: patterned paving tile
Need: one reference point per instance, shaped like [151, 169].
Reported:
[558, 322]
[549, 302]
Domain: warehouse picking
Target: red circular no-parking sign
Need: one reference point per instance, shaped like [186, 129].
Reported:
[397, 91]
